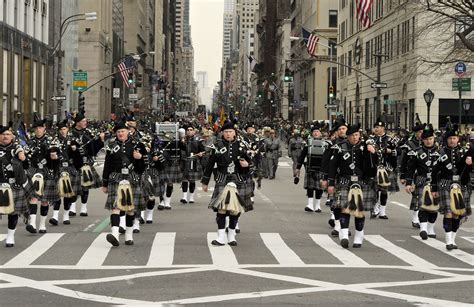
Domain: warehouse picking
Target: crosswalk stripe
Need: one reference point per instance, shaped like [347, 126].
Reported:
[221, 255]
[343, 255]
[456, 253]
[35, 250]
[96, 253]
[162, 250]
[2, 237]
[398, 252]
[470, 239]
[283, 254]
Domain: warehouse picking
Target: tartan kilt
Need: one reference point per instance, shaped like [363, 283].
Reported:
[19, 199]
[414, 202]
[312, 180]
[444, 198]
[48, 191]
[393, 178]
[194, 174]
[245, 189]
[174, 172]
[75, 179]
[369, 193]
[96, 178]
[146, 185]
[156, 186]
[138, 197]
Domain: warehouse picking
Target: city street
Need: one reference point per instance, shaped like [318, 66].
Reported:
[284, 256]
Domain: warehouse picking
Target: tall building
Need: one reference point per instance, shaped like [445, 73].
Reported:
[183, 28]
[204, 89]
[228, 26]
[26, 70]
[401, 36]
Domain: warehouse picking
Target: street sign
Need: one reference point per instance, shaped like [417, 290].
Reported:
[460, 69]
[116, 92]
[378, 85]
[330, 106]
[390, 102]
[79, 81]
[133, 97]
[465, 84]
[62, 97]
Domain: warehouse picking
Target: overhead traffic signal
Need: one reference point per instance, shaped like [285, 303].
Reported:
[331, 91]
[81, 101]
[288, 75]
[139, 80]
[130, 78]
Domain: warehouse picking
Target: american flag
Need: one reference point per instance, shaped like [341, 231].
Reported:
[126, 66]
[362, 11]
[311, 41]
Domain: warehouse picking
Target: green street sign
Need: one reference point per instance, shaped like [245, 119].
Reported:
[465, 84]
[79, 80]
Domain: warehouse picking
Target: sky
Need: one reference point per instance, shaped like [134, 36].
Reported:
[206, 19]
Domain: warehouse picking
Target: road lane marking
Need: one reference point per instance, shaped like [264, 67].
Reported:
[35, 250]
[283, 254]
[456, 253]
[343, 255]
[400, 204]
[102, 225]
[470, 239]
[221, 255]
[399, 252]
[162, 250]
[2, 237]
[91, 225]
[467, 229]
[97, 252]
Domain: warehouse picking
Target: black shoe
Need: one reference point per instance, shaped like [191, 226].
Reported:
[83, 214]
[217, 243]
[53, 222]
[168, 208]
[149, 222]
[335, 233]
[356, 245]
[72, 213]
[345, 243]
[142, 221]
[191, 201]
[112, 240]
[160, 207]
[449, 247]
[9, 244]
[415, 225]
[383, 217]
[183, 201]
[331, 223]
[233, 243]
[67, 222]
[42, 231]
[129, 242]
[237, 230]
[317, 210]
[136, 231]
[455, 246]
[373, 215]
[432, 236]
[121, 230]
[308, 209]
[31, 229]
[424, 235]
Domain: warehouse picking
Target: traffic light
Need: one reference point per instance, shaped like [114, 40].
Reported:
[130, 78]
[288, 75]
[81, 101]
[139, 80]
[331, 91]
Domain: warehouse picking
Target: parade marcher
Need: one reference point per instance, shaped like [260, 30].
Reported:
[69, 185]
[409, 150]
[312, 152]
[255, 149]
[351, 171]
[194, 151]
[123, 167]
[420, 174]
[295, 147]
[265, 136]
[272, 153]
[450, 185]
[41, 158]
[387, 169]
[233, 188]
[89, 146]
[13, 181]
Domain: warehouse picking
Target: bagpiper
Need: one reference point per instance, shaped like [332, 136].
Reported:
[89, 147]
[123, 167]
[312, 152]
[14, 183]
[451, 176]
[409, 150]
[233, 188]
[418, 181]
[193, 152]
[387, 180]
[351, 172]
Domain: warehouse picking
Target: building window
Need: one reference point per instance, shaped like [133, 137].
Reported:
[349, 63]
[351, 16]
[367, 54]
[398, 40]
[332, 18]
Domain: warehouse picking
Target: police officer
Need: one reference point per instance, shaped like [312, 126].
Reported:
[272, 153]
[295, 147]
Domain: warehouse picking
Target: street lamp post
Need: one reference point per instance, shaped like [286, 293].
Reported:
[428, 96]
[466, 105]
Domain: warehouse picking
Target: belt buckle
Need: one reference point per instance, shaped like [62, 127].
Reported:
[455, 177]
[65, 164]
[11, 180]
[354, 178]
[125, 171]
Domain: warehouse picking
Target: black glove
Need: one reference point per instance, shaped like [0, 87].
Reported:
[296, 180]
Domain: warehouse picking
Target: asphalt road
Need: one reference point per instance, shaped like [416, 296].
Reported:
[284, 256]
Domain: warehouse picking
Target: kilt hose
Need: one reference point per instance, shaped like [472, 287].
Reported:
[135, 181]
